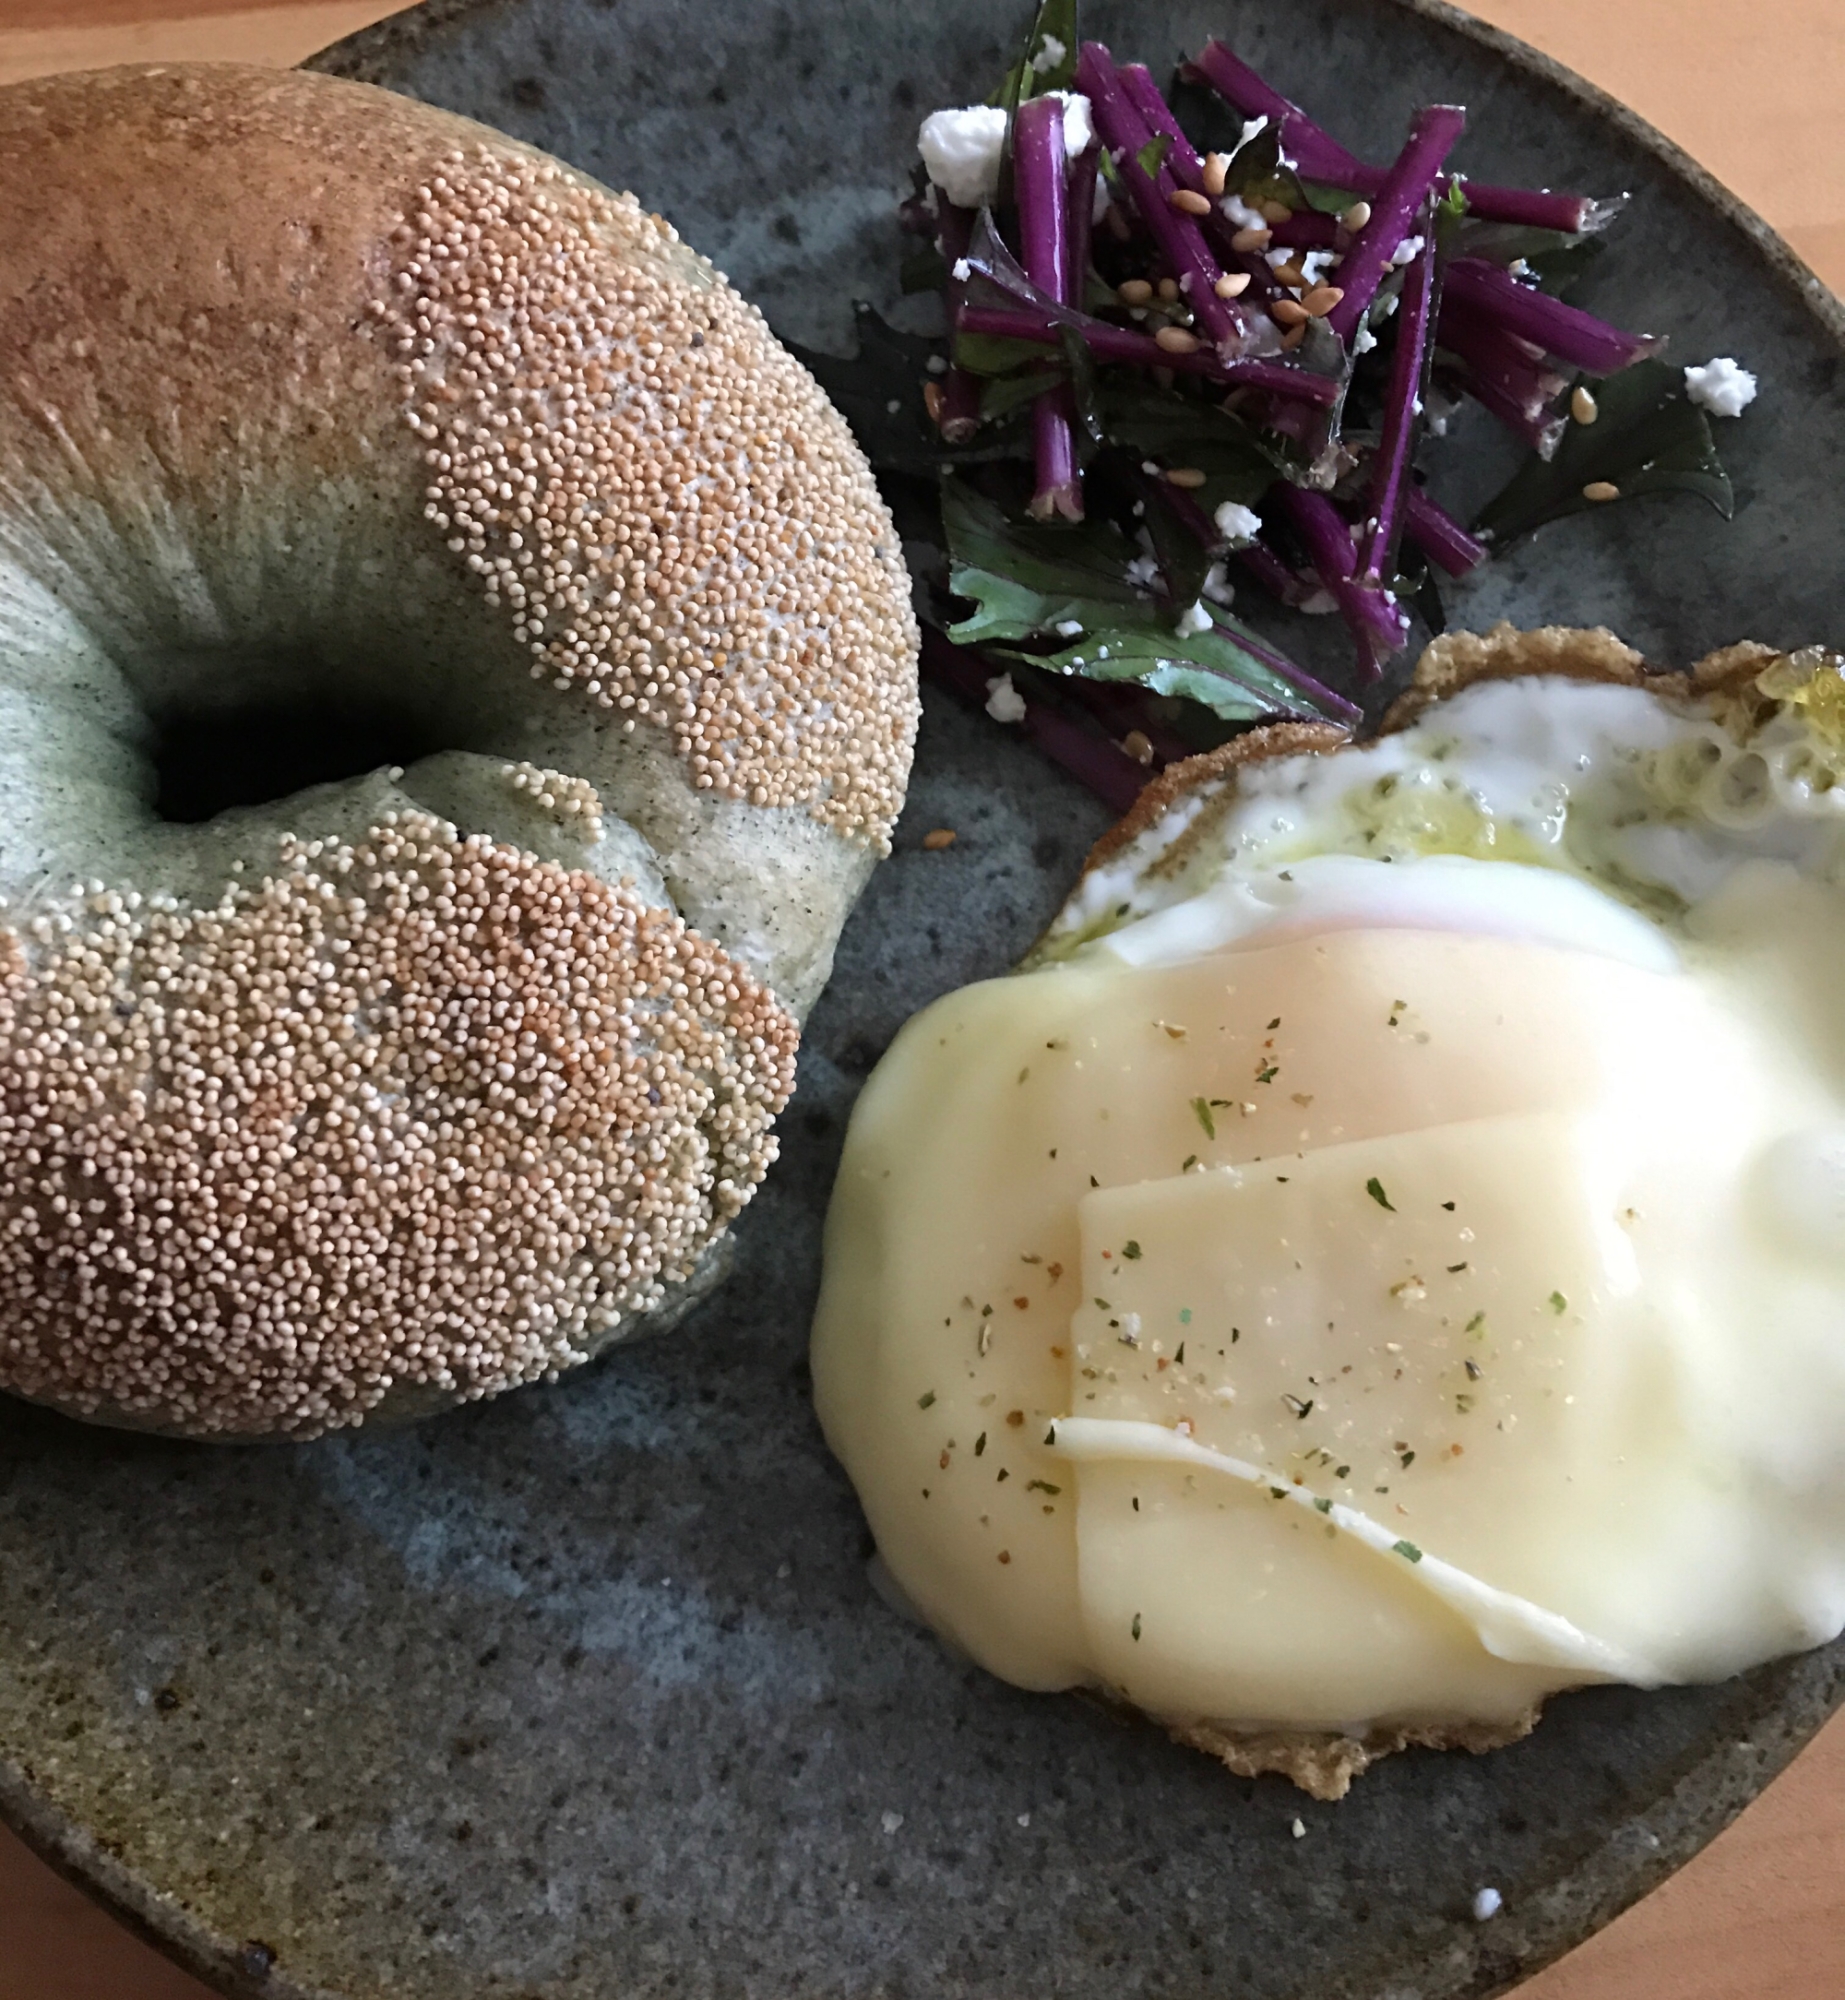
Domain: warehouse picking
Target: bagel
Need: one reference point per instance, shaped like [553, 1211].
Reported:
[354, 452]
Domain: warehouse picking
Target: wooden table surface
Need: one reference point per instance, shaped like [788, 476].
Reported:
[1754, 92]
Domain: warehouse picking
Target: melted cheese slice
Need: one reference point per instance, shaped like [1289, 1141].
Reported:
[1647, 1481]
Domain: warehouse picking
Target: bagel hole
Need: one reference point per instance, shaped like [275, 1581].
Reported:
[211, 761]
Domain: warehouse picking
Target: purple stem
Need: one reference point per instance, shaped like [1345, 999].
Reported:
[1371, 615]
[1439, 535]
[1109, 772]
[1184, 168]
[1318, 156]
[1307, 229]
[1566, 331]
[1082, 222]
[1506, 374]
[1402, 412]
[1118, 343]
[1431, 137]
[1178, 236]
[1040, 185]
[1494, 355]
[960, 390]
[1273, 574]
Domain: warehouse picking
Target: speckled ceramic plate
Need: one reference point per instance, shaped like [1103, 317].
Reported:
[584, 1692]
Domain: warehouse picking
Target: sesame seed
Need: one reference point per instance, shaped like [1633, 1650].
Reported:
[1216, 173]
[1169, 290]
[1288, 312]
[1583, 406]
[941, 837]
[1250, 239]
[1175, 340]
[1232, 285]
[1356, 216]
[1321, 300]
[1601, 489]
[1134, 292]
[1189, 202]
[1185, 475]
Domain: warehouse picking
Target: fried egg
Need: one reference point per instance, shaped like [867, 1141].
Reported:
[1381, 1262]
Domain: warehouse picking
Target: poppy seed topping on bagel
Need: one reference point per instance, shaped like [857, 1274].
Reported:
[1381, 1261]
[456, 675]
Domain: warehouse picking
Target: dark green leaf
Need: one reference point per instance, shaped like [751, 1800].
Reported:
[891, 367]
[1090, 434]
[1184, 560]
[1026, 578]
[1207, 667]
[1002, 394]
[1152, 156]
[1062, 563]
[1054, 20]
[995, 353]
[1557, 261]
[1257, 174]
[1184, 430]
[1649, 438]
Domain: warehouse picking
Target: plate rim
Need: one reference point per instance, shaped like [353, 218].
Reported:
[1677, 1822]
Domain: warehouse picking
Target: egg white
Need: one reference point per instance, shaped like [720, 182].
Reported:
[1384, 1261]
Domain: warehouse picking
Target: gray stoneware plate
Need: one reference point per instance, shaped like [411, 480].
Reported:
[585, 1692]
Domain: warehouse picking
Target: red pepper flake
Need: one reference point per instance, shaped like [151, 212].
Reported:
[942, 837]
[1021, 1303]
[1005, 1555]
[1056, 1353]
[1015, 1418]
[1056, 1271]
[943, 1461]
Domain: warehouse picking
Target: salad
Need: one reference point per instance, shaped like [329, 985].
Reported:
[1197, 354]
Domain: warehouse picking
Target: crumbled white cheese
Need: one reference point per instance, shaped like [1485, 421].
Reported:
[1390, 305]
[937, 364]
[1235, 209]
[1299, 1829]
[963, 271]
[1722, 386]
[1143, 572]
[1237, 523]
[1487, 1903]
[1316, 264]
[1276, 258]
[1004, 702]
[1068, 628]
[1407, 251]
[1050, 53]
[1078, 126]
[1319, 604]
[1252, 127]
[1217, 586]
[961, 150]
[891, 1821]
[1363, 341]
[1194, 619]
